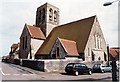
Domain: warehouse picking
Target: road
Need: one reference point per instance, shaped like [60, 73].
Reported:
[16, 72]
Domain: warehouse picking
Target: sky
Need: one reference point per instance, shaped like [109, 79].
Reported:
[15, 13]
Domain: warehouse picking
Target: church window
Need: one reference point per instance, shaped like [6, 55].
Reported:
[97, 41]
[50, 14]
[105, 56]
[93, 56]
[23, 43]
[43, 15]
[88, 51]
[55, 16]
[57, 52]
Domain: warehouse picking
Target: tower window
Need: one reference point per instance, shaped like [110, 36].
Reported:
[43, 15]
[50, 14]
[55, 16]
[40, 16]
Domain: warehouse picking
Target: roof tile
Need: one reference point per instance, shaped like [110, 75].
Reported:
[114, 52]
[70, 47]
[35, 32]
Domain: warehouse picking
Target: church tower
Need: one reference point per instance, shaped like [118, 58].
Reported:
[47, 17]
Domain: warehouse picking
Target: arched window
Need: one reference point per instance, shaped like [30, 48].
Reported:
[105, 56]
[55, 16]
[50, 14]
[93, 56]
[97, 38]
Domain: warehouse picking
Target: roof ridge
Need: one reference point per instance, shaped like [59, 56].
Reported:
[67, 40]
[76, 21]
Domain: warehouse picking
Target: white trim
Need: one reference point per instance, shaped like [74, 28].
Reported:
[28, 29]
[62, 44]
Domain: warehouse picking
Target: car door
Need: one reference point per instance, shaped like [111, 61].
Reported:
[85, 68]
[108, 68]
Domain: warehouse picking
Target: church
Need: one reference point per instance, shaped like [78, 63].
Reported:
[47, 39]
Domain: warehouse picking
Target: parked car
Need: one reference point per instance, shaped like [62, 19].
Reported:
[77, 68]
[101, 68]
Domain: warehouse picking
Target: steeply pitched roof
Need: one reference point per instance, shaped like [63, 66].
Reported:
[70, 47]
[14, 47]
[77, 31]
[35, 32]
[114, 51]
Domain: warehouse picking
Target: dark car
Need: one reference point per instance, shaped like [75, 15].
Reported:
[101, 68]
[77, 68]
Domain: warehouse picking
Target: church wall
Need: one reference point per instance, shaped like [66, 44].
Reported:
[24, 51]
[35, 45]
[91, 44]
[62, 53]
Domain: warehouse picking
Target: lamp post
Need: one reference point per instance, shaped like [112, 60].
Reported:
[115, 73]
[110, 3]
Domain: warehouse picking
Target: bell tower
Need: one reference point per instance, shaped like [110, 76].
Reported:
[47, 17]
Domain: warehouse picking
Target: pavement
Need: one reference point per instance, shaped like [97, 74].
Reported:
[11, 72]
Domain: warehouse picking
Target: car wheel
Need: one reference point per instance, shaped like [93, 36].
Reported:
[90, 72]
[76, 73]
[102, 71]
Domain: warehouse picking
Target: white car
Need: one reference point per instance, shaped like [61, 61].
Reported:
[101, 68]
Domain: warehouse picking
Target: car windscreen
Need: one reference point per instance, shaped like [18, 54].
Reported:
[70, 65]
[96, 66]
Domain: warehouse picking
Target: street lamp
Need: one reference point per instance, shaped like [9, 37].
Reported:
[109, 3]
[115, 76]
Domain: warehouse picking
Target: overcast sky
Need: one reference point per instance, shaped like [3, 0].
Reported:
[15, 13]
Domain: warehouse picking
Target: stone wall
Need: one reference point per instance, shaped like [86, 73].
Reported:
[49, 65]
[92, 44]
[34, 64]
[58, 65]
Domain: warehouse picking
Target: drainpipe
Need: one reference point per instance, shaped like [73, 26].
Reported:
[108, 54]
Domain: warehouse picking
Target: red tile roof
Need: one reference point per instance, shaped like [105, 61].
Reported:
[114, 51]
[70, 47]
[35, 32]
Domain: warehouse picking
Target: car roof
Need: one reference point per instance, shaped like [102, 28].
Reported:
[101, 64]
[75, 63]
